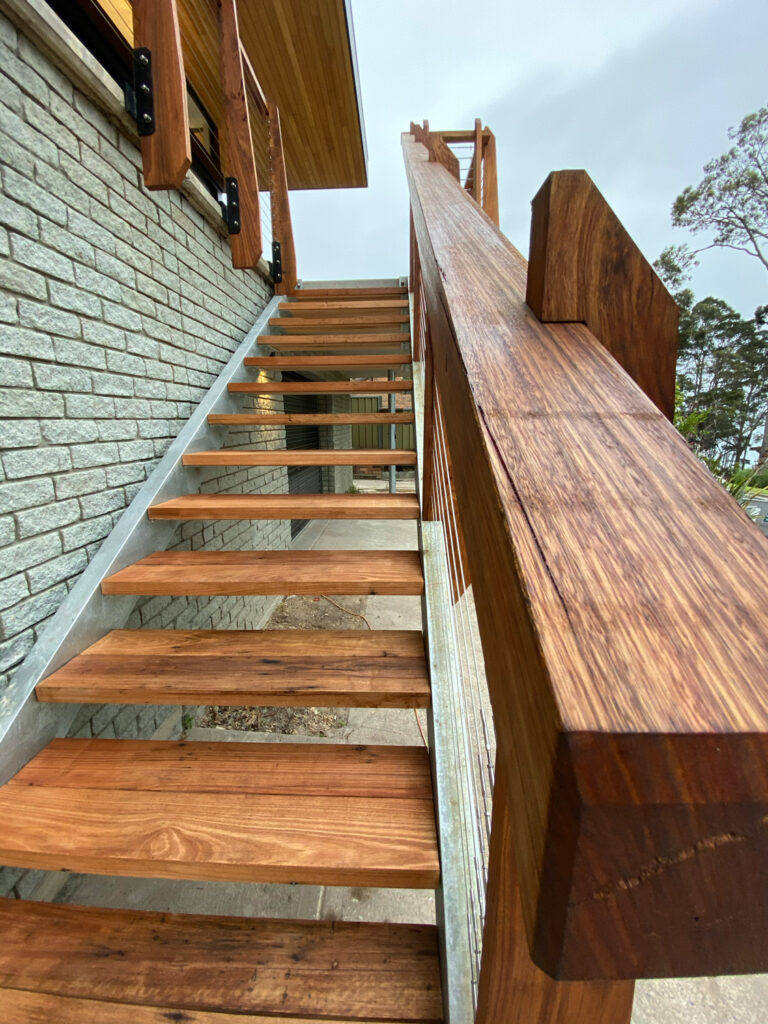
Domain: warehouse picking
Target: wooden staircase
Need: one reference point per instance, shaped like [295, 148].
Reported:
[321, 814]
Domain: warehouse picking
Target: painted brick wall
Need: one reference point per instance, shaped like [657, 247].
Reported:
[118, 308]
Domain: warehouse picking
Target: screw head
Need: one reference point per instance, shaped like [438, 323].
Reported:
[235, 223]
[144, 88]
[146, 118]
[143, 59]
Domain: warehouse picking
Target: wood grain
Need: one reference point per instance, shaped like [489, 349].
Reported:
[320, 387]
[333, 307]
[490, 179]
[302, 457]
[308, 419]
[296, 667]
[512, 988]
[338, 363]
[235, 129]
[639, 792]
[353, 322]
[166, 154]
[287, 506]
[384, 292]
[585, 267]
[268, 769]
[349, 341]
[163, 815]
[270, 572]
[314, 970]
[40, 1008]
[282, 225]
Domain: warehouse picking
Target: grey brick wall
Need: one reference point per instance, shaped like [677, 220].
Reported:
[118, 308]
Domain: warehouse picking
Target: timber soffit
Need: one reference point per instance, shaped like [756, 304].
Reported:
[306, 62]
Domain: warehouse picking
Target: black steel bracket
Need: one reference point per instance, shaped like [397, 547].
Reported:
[139, 98]
[276, 266]
[230, 210]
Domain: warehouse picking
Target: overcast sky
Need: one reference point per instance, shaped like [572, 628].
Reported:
[639, 94]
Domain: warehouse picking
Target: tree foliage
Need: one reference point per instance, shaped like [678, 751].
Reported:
[731, 200]
[722, 372]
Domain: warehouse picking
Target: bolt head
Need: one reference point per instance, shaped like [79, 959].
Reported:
[146, 118]
[235, 223]
[143, 59]
[144, 88]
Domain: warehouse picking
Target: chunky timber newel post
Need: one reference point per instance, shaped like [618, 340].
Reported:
[624, 639]
[282, 227]
[490, 178]
[237, 158]
[585, 267]
[511, 988]
[166, 151]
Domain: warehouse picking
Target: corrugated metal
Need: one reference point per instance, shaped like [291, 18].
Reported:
[369, 435]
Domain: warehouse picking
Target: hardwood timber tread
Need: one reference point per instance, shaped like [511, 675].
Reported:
[270, 572]
[380, 292]
[350, 363]
[320, 814]
[308, 419]
[311, 307]
[62, 964]
[293, 667]
[310, 342]
[319, 387]
[302, 457]
[288, 506]
[296, 322]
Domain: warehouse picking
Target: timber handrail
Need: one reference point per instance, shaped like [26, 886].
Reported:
[622, 601]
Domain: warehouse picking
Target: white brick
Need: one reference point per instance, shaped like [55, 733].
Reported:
[86, 455]
[97, 283]
[24, 191]
[73, 299]
[51, 377]
[80, 534]
[78, 353]
[43, 520]
[72, 485]
[20, 434]
[37, 256]
[65, 242]
[90, 406]
[48, 575]
[22, 281]
[70, 431]
[16, 216]
[32, 611]
[101, 503]
[23, 555]
[35, 462]
[15, 373]
[18, 404]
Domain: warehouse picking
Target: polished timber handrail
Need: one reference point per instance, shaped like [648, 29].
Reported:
[26, 724]
[623, 636]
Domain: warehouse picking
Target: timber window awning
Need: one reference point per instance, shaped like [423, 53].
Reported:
[304, 56]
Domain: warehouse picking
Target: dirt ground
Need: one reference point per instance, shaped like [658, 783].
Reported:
[295, 613]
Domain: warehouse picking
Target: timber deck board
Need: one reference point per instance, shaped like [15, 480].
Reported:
[319, 387]
[294, 667]
[182, 810]
[270, 572]
[302, 457]
[72, 965]
[309, 419]
[287, 506]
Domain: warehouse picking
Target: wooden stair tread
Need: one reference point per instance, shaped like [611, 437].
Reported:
[302, 457]
[308, 419]
[319, 387]
[349, 363]
[270, 572]
[310, 342]
[301, 323]
[294, 667]
[195, 811]
[287, 506]
[382, 291]
[120, 960]
[310, 307]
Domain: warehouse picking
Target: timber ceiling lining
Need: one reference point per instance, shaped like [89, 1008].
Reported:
[301, 53]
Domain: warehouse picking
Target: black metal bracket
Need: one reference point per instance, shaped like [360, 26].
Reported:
[230, 210]
[276, 266]
[139, 98]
